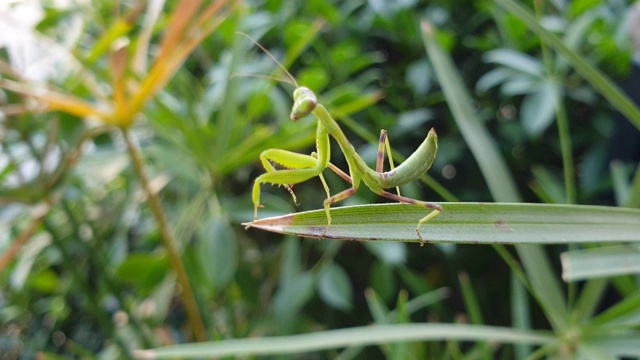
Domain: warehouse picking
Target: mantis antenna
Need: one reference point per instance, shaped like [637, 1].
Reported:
[291, 81]
[256, 43]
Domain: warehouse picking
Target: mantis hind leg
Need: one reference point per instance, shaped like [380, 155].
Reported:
[383, 144]
[436, 209]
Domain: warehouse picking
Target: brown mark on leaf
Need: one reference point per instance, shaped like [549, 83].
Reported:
[502, 226]
[316, 232]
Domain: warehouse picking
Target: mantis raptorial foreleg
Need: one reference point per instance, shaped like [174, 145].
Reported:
[301, 167]
[289, 160]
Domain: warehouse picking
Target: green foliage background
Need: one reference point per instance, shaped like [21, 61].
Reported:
[94, 280]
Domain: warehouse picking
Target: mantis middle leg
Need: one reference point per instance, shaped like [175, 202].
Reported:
[435, 209]
[383, 143]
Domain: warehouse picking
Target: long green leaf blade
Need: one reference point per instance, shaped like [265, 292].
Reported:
[479, 223]
[599, 263]
[494, 168]
[367, 335]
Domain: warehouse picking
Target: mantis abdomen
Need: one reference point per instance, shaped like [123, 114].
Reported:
[416, 165]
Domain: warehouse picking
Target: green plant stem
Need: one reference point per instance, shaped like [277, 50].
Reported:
[567, 157]
[561, 120]
[168, 239]
[564, 135]
[634, 197]
[514, 265]
[569, 177]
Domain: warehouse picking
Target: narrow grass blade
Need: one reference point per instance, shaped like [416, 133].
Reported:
[545, 284]
[478, 223]
[366, 335]
[634, 197]
[622, 314]
[494, 168]
[602, 262]
[624, 346]
[472, 305]
[521, 314]
[589, 300]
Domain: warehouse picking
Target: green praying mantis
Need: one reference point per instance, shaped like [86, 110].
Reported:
[301, 167]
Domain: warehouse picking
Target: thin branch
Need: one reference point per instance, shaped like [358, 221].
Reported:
[168, 239]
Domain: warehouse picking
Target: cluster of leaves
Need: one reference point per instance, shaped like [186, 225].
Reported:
[91, 268]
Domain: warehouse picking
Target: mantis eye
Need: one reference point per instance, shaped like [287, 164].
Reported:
[305, 102]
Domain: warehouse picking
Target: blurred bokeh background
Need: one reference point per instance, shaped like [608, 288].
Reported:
[115, 115]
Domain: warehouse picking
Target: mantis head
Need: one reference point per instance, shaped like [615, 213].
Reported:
[305, 102]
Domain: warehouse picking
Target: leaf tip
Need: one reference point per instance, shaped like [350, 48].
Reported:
[144, 354]
[427, 27]
[273, 224]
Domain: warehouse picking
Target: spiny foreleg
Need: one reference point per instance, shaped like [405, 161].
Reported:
[300, 168]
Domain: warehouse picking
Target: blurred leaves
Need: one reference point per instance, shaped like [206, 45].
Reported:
[184, 33]
[218, 253]
[524, 76]
[595, 77]
[334, 287]
[175, 75]
[144, 271]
